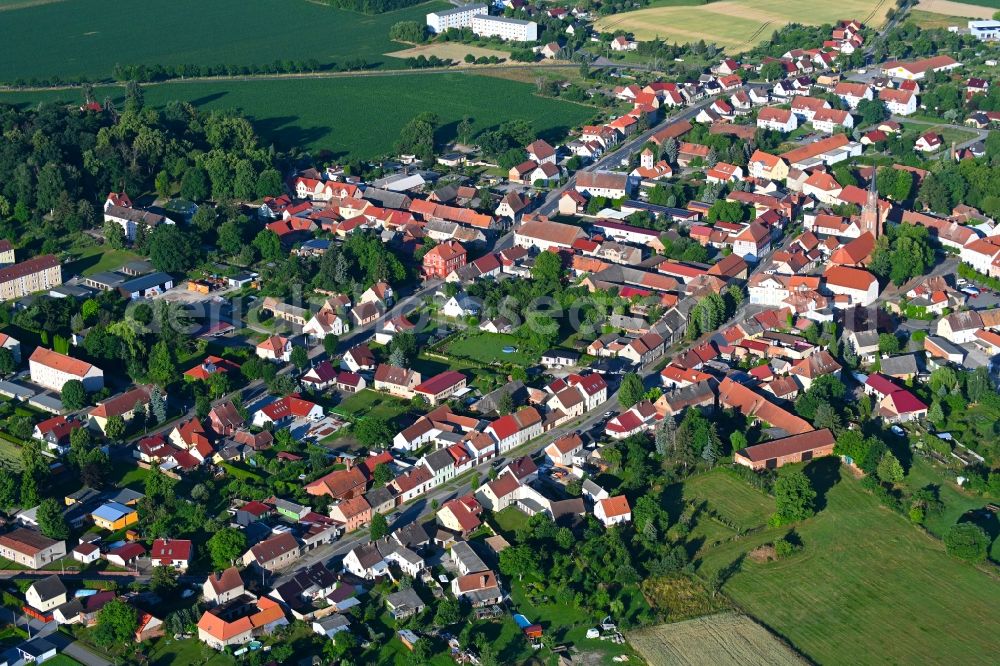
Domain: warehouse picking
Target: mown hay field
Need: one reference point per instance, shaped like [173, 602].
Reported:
[737, 25]
[715, 640]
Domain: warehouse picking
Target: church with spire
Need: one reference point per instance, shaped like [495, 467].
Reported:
[859, 251]
[871, 214]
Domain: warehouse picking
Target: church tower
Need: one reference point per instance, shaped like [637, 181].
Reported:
[871, 216]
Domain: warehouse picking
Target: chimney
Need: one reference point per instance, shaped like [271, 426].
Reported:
[486, 579]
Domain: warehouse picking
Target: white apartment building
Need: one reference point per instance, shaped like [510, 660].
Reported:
[459, 17]
[52, 370]
[507, 29]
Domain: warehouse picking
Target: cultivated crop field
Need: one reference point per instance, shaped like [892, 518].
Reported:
[72, 38]
[737, 25]
[715, 640]
[982, 9]
[867, 588]
[358, 117]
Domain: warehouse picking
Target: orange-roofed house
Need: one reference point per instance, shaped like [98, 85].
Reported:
[229, 625]
[824, 187]
[461, 514]
[778, 120]
[561, 451]
[767, 166]
[123, 405]
[353, 513]
[723, 172]
[52, 370]
[275, 348]
[613, 511]
[858, 286]
[210, 366]
[340, 484]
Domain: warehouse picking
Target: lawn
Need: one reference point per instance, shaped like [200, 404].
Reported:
[62, 660]
[736, 502]
[488, 348]
[10, 452]
[510, 520]
[372, 403]
[168, 652]
[865, 574]
[352, 117]
[96, 259]
[84, 38]
[735, 25]
[956, 500]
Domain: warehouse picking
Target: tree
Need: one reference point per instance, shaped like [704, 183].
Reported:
[116, 623]
[195, 185]
[936, 413]
[889, 470]
[449, 611]
[164, 580]
[772, 71]
[548, 269]
[631, 390]
[161, 369]
[51, 521]
[330, 344]
[505, 404]
[115, 428]
[794, 498]
[9, 490]
[172, 250]
[157, 407]
[299, 357]
[225, 546]
[268, 244]
[518, 561]
[269, 183]
[967, 541]
[373, 431]
[379, 527]
[73, 395]
[417, 137]
[114, 235]
[382, 474]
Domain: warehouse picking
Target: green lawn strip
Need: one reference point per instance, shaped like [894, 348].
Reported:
[168, 651]
[865, 573]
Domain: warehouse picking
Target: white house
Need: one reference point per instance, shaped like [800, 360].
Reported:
[779, 120]
[859, 286]
[613, 511]
[275, 348]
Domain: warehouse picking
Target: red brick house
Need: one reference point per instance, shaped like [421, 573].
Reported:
[443, 259]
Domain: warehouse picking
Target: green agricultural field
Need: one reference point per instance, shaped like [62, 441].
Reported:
[865, 574]
[735, 25]
[73, 38]
[356, 117]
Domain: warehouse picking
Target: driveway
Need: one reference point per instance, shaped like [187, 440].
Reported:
[76, 650]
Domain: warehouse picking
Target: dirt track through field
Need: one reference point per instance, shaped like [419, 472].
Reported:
[26, 4]
[950, 8]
